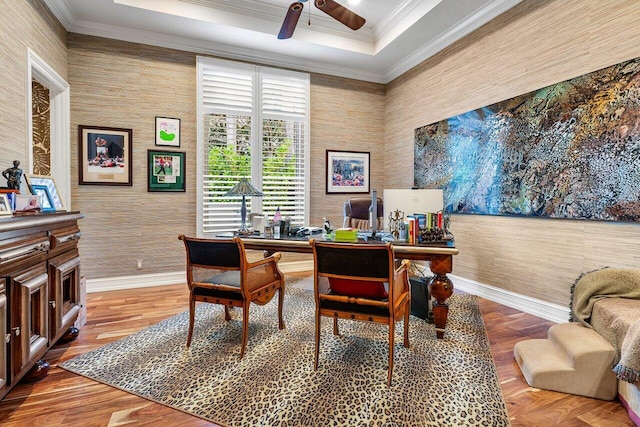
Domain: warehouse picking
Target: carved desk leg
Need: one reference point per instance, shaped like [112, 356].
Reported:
[440, 288]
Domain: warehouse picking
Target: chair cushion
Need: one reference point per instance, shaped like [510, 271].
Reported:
[229, 278]
[358, 288]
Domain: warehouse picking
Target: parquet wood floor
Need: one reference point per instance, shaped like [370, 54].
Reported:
[65, 399]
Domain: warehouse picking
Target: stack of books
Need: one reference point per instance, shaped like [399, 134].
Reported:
[418, 222]
[346, 235]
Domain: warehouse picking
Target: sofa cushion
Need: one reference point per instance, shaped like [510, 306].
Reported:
[614, 314]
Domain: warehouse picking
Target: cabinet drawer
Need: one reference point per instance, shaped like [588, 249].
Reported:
[23, 249]
[63, 239]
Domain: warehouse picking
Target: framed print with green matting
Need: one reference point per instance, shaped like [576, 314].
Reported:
[166, 170]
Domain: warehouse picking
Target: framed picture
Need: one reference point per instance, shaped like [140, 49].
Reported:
[5, 205]
[167, 131]
[37, 182]
[105, 155]
[46, 202]
[347, 172]
[27, 203]
[166, 170]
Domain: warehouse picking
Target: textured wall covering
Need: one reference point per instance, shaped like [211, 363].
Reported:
[125, 85]
[534, 45]
[41, 128]
[345, 115]
[569, 150]
[24, 24]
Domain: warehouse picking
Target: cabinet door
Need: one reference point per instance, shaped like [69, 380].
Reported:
[30, 326]
[4, 345]
[64, 293]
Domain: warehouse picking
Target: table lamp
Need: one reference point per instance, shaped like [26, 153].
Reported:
[244, 189]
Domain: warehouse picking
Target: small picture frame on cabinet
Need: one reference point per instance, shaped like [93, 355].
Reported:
[46, 201]
[27, 203]
[5, 205]
[50, 184]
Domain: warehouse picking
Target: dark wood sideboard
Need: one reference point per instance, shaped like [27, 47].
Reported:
[39, 291]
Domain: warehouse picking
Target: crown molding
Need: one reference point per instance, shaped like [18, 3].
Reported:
[456, 32]
[62, 11]
[364, 72]
[221, 50]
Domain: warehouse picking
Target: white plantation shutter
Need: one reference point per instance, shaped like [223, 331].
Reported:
[227, 90]
[282, 97]
[254, 124]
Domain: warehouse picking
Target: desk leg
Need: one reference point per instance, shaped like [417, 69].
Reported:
[440, 288]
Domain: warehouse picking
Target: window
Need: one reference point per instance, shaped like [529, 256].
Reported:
[254, 123]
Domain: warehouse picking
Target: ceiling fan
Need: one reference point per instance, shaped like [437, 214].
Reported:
[330, 7]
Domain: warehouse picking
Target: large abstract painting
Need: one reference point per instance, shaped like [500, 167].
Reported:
[569, 150]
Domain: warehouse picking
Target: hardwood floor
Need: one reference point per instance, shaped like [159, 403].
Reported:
[65, 399]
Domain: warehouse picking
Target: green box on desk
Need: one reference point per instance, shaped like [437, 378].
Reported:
[346, 235]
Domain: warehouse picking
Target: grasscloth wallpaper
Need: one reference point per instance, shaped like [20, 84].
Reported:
[126, 85]
[536, 44]
[24, 24]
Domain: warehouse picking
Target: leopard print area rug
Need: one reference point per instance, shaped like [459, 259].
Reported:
[448, 382]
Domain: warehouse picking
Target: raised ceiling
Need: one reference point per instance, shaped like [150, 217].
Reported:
[398, 34]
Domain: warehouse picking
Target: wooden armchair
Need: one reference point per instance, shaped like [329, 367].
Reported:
[349, 283]
[218, 272]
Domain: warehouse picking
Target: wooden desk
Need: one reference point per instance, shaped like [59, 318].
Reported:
[440, 262]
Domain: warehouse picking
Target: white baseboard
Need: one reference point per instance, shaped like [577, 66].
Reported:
[544, 309]
[132, 282]
[147, 280]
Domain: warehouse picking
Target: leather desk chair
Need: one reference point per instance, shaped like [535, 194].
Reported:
[356, 213]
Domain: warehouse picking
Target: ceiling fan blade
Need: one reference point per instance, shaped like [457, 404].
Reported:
[290, 20]
[340, 13]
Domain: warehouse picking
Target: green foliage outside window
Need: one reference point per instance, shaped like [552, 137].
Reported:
[234, 158]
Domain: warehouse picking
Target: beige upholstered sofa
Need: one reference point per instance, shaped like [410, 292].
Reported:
[609, 315]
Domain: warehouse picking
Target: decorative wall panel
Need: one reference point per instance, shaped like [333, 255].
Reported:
[41, 117]
[569, 150]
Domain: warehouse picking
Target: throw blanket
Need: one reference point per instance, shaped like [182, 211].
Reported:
[611, 283]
